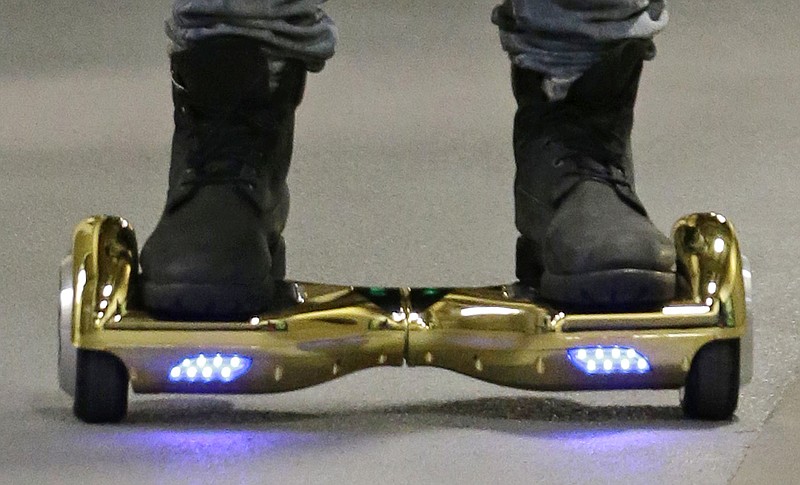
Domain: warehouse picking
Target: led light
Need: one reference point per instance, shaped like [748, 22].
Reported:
[687, 309]
[488, 310]
[609, 359]
[107, 290]
[201, 370]
[719, 245]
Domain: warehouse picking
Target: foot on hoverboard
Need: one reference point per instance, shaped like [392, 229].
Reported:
[586, 238]
[217, 250]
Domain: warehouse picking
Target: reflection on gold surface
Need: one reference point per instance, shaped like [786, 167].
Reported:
[105, 264]
[710, 265]
[499, 334]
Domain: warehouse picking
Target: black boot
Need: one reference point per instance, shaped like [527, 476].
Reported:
[217, 250]
[586, 239]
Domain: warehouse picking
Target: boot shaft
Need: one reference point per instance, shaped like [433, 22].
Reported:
[234, 106]
[596, 116]
[557, 143]
[221, 72]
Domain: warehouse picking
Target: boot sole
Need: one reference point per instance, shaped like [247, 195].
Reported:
[198, 301]
[612, 289]
[177, 300]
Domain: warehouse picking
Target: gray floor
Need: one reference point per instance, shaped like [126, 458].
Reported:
[402, 176]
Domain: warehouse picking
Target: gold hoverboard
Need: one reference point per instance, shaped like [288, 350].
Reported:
[701, 342]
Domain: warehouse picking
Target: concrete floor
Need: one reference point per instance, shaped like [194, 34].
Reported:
[402, 175]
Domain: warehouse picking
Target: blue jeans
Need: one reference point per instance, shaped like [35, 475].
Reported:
[560, 38]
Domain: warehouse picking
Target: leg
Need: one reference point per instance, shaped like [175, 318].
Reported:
[238, 71]
[296, 29]
[585, 238]
[563, 38]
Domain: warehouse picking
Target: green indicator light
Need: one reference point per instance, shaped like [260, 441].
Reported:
[430, 291]
[377, 291]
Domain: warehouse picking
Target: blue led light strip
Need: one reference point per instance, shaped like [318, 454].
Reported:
[608, 359]
[211, 368]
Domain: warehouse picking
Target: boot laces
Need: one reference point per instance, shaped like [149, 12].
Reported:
[584, 147]
[227, 146]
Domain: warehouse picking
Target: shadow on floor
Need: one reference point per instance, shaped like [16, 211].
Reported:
[494, 413]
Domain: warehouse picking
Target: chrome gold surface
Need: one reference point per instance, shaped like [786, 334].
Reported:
[523, 344]
[325, 334]
[105, 264]
[710, 265]
[712, 272]
[499, 334]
